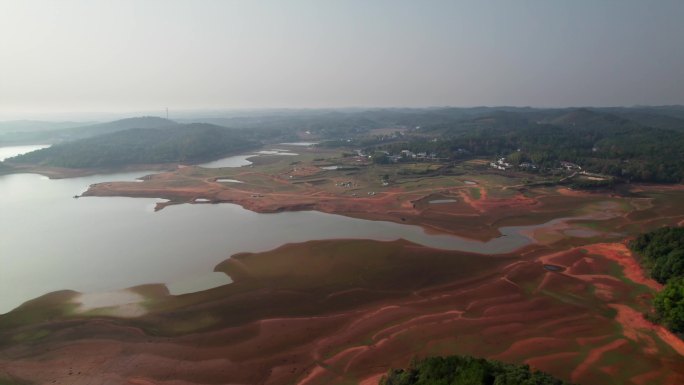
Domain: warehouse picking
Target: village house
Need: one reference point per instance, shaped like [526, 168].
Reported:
[501, 164]
[570, 166]
[407, 154]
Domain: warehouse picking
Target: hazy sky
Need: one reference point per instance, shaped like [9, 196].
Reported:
[61, 55]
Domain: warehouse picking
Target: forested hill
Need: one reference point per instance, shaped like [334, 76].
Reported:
[641, 144]
[599, 141]
[189, 143]
[117, 125]
[465, 370]
[662, 254]
[46, 132]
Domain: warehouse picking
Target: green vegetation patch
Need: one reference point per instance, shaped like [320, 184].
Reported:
[662, 253]
[12, 381]
[30, 335]
[181, 143]
[55, 305]
[466, 370]
[669, 305]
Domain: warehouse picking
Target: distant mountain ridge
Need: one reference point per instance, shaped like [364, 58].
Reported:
[636, 144]
[45, 132]
[37, 125]
[337, 122]
[117, 125]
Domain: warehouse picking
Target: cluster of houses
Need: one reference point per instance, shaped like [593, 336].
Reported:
[501, 164]
[570, 166]
[408, 154]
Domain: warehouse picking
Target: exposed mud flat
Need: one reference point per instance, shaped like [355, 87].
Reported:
[344, 311]
[328, 312]
[475, 211]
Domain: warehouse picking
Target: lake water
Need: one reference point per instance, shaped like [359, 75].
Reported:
[226, 180]
[442, 201]
[51, 241]
[10, 151]
[302, 144]
[276, 152]
[232, 161]
[242, 160]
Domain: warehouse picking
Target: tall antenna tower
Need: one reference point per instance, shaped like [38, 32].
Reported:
[167, 113]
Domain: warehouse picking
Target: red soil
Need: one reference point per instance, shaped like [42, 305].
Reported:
[635, 325]
[520, 312]
[486, 204]
[372, 380]
[496, 318]
[572, 193]
[619, 253]
[594, 357]
[275, 193]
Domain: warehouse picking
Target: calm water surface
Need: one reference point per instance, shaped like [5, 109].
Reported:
[51, 241]
[10, 151]
[232, 161]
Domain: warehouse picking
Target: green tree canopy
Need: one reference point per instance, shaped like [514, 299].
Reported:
[669, 305]
[466, 370]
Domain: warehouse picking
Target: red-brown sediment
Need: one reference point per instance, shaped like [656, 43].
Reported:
[593, 358]
[635, 324]
[505, 314]
[619, 253]
[263, 329]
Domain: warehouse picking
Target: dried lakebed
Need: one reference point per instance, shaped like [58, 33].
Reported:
[344, 311]
[54, 242]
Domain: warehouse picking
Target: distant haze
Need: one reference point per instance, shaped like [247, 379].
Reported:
[62, 57]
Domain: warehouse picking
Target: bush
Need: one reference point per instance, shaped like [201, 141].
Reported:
[669, 305]
[466, 370]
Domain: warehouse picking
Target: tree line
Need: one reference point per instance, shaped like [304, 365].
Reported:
[189, 143]
[467, 370]
[598, 142]
[662, 254]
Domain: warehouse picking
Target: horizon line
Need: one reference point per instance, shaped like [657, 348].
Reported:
[162, 111]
